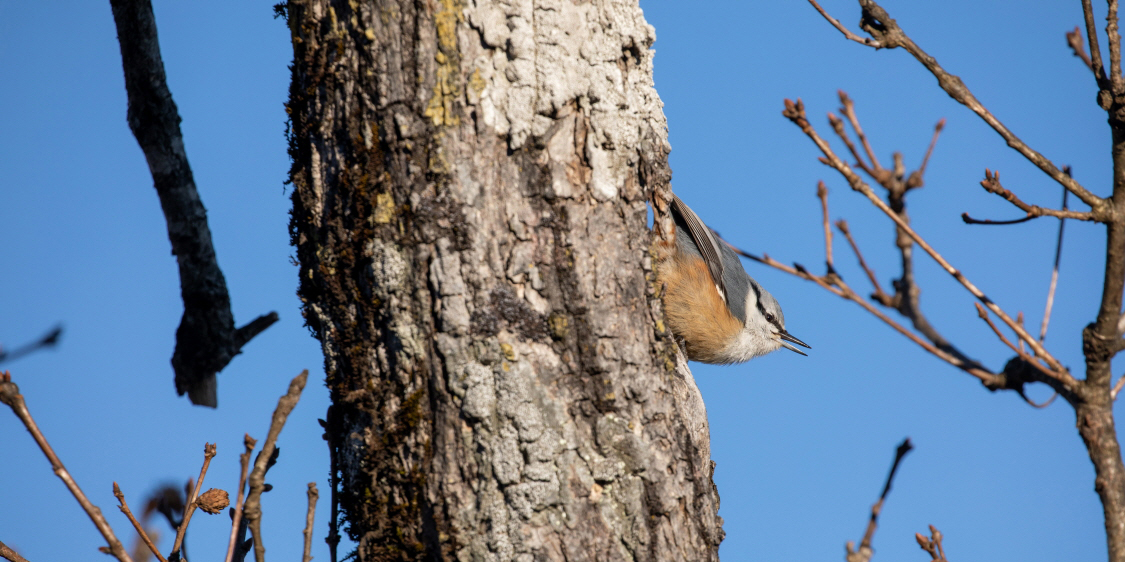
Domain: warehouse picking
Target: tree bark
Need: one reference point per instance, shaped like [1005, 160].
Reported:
[469, 211]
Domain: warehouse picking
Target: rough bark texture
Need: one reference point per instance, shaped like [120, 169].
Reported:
[469, 211]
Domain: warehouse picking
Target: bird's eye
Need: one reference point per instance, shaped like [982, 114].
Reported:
[770, 318]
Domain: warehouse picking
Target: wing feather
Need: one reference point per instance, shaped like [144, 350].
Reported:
[705, 240]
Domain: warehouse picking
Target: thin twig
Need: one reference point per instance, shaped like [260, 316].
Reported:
[1114, 48]
[252, 509]
[313, 495]
[847, 108]
[796, 113]
[12, 556]
[1019, 320]
[991, 184]
[10, 395]
[50, 339]
[879, 295]
[209, 450]
[836, 23]
[124, 507]
[333, 538]
[1095, 48]
[865, 550]
[1074, 40]
[1054, 273]
[915, 179]
[838, 126]
[970, 220]
[236, 520]
[822, 194]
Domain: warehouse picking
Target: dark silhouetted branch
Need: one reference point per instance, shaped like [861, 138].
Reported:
[50, 339]
[863, 554]
[206, 339]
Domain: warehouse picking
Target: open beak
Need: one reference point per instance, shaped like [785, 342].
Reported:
[786, 338]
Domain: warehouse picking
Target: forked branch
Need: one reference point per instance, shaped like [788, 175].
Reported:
[796, 113]
[886, 33]
[932, 544]
[991, 184]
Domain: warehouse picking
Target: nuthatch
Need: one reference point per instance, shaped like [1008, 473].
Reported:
[721, 314]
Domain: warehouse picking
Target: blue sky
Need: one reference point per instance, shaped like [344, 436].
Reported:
[801, 444]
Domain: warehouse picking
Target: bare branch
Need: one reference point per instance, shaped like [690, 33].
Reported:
[10, 395]
[206, 340]
[124, 507]
[252, 509]
[313, 495]
[1054, 272]
[1074, 40]
[880, 296]
[1114, 48]
[50, 339]
[916, 179]
[209, 450]
[991, 184]
[1095, 47]
[236, 521]
[796, 113]
[847, 108]
[865, 550]
[836, 23]
[822, 194]
[838, 126]
[12, 556]
[886, 33]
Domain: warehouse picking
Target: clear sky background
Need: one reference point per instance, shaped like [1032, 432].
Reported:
[802, 445]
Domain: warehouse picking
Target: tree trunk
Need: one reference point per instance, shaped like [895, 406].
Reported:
[469, 211]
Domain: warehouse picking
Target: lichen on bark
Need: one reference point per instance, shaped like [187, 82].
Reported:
[470, 196]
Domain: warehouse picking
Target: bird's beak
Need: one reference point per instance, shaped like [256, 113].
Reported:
[786, 338]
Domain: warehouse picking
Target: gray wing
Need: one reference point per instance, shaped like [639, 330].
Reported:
[705, 241]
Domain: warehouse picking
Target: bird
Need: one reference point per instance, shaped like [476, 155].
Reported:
[718, 313]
